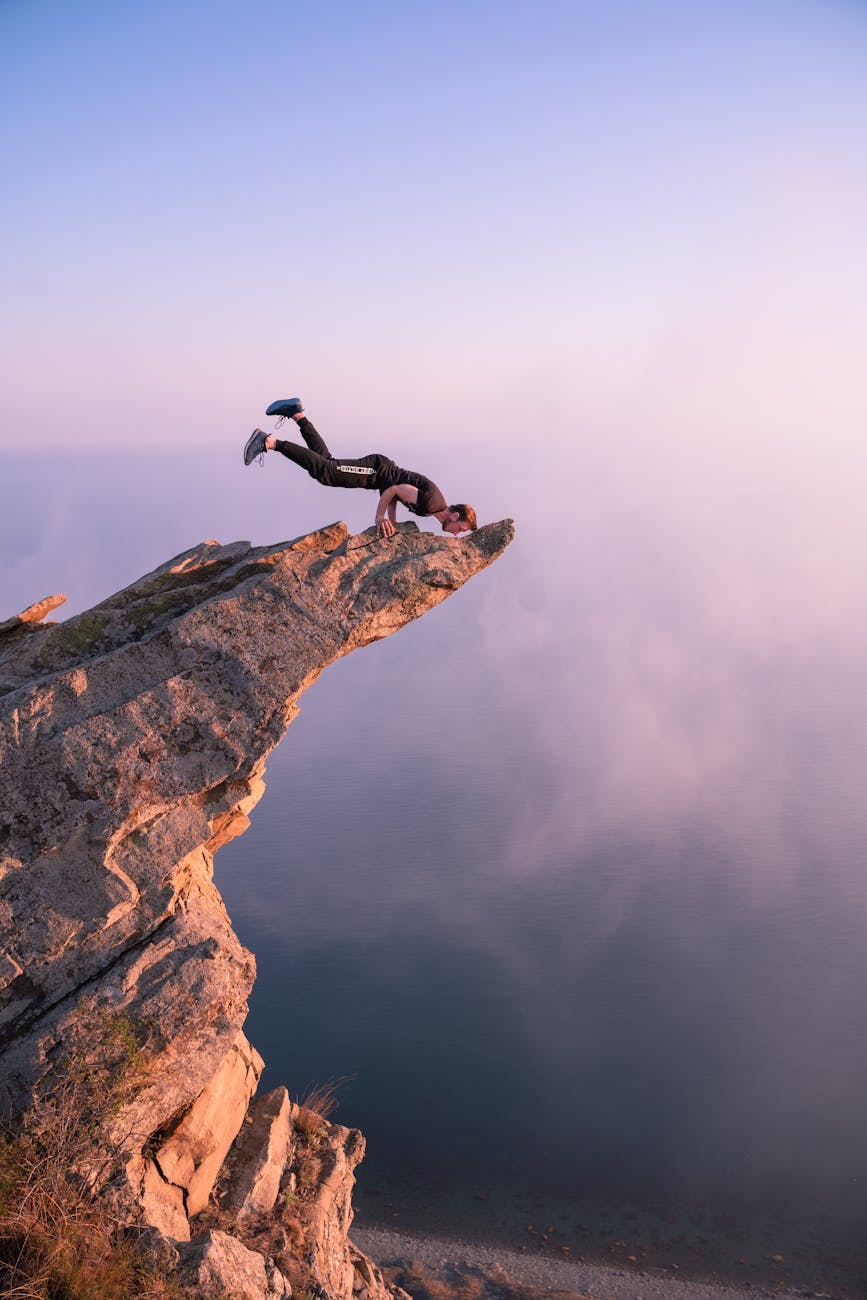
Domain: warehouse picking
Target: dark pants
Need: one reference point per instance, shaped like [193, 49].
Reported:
[370, 471]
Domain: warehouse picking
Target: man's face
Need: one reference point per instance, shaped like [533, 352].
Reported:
[453, 523]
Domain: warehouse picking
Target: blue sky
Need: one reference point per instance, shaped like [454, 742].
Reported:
[406, 212]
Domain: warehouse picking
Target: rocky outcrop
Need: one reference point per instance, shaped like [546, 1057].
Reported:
[220, 1264]
[261, 1156]
[133, 741]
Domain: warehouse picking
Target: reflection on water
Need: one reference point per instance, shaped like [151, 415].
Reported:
[567, 879]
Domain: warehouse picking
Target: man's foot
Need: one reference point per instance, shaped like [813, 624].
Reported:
[255, 446]
[286, 407]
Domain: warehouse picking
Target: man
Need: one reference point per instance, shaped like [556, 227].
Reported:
[374, 471]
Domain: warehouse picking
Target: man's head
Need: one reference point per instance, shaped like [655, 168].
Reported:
[459, 519]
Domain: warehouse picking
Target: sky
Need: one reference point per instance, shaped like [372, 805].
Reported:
[602, 269]
[635, 229]
[598, 267]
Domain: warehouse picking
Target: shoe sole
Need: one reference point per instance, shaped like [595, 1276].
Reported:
[256, 438]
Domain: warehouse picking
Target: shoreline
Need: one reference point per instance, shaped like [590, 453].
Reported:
[666, 1247]
[449, 1259]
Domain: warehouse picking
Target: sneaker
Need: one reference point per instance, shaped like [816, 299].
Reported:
[255, 446]
[286, 406]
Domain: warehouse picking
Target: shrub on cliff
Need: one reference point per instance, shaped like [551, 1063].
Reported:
[59, 1239]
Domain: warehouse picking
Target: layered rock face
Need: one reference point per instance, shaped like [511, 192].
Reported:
[133, 740]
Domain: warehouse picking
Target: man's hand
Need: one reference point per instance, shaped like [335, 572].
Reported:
[385, 527]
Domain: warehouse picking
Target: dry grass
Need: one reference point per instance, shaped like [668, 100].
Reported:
[58, 1237]
[319, 1103]
[321, 1098]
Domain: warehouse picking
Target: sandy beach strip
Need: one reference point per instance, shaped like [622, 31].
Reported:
[448, 1258]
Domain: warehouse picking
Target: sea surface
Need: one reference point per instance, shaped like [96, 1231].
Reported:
[562, 887]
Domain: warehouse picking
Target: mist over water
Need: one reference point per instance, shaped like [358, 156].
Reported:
[566, 880]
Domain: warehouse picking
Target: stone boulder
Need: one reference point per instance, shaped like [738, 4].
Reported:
[260, 1157]
[190, 1158]
[218, 1264]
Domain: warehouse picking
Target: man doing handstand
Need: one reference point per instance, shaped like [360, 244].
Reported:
[374, 471]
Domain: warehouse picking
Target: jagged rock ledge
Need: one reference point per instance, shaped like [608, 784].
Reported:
[133, 741]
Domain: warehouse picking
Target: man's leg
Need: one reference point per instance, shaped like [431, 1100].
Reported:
[314, 462]
[328, 470]
[315, 457]
[311, 437]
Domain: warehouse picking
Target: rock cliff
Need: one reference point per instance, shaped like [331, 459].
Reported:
[133, 741]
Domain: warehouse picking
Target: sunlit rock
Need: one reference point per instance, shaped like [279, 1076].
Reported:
[133, 740]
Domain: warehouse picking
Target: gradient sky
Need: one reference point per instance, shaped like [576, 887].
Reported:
[641, 224]
[598, 266]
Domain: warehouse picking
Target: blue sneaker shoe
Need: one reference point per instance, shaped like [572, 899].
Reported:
[285, 407]
[255, 446]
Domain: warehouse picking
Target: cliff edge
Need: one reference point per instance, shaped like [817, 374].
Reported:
[133, 741]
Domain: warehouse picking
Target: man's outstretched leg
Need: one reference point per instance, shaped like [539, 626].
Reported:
[315, 458]
[259, 441]
[293, 408]
[314, 441]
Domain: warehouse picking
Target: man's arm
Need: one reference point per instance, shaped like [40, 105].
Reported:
[387, 508]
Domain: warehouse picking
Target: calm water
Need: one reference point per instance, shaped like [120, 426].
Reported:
[626, 1037]
[565, 882]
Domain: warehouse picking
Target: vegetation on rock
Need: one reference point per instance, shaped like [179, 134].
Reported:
[59, 1236]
